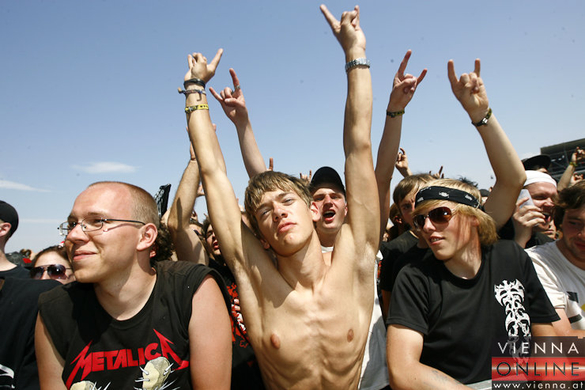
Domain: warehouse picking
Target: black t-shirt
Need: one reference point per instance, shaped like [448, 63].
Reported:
[412, 255]
[18, 316]
[461, 319]
[391, 251]
[16, 272]
[122, 354]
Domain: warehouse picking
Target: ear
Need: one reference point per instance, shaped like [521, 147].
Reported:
[474, 222]
[148, 237]
[316, 215]
[4, 228]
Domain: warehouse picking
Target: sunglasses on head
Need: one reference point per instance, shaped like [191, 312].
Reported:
[440, 215]
[55, 271]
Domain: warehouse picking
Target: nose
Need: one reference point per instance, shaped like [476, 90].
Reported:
[45, 275]
[428, 225]
[76, 234]
[279, 212]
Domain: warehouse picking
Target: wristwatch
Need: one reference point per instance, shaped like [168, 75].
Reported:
[357, 62]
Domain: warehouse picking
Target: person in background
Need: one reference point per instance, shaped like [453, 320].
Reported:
[560, 265]
[8, 225]
[52, 263]
[533, 215]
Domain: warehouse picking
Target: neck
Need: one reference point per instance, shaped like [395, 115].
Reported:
[467, 262]
[305, 267]
[5, 264]
[327, 239]
[124, 297]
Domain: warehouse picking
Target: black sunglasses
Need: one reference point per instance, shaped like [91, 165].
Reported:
[440, 215]
[55, 271]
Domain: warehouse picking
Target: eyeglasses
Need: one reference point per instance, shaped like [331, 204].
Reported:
[90, 224]
[440, 215]
[55, 271]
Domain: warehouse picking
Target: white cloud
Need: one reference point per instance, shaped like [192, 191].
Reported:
[105, 167]
[11, 185]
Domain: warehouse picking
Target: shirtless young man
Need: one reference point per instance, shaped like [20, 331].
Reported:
[307, 317]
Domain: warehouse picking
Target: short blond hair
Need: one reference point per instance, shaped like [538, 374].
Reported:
[271, 181]
[486, 225]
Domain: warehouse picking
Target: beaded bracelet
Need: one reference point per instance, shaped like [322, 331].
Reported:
[394, 114]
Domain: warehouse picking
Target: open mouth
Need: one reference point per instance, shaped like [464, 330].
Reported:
[328, 215]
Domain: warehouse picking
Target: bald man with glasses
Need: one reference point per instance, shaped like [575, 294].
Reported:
[132, 316]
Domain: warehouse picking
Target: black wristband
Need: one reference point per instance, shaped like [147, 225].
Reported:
[484, 121]
[194, 80]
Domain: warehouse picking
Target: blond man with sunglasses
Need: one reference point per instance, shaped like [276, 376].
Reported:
[450, 309]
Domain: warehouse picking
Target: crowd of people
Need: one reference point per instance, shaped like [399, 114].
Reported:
[315, 282]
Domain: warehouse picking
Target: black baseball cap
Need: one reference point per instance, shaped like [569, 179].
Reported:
[536, 162]
[326, 176]
[9, 214]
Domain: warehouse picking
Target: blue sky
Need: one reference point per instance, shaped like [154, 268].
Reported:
[88, 89]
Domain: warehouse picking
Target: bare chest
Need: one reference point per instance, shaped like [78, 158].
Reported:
[317, 342]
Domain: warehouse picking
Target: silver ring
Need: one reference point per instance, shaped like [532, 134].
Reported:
[237, 88]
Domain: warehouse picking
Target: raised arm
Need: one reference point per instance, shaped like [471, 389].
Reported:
[222, 205]
[234, 106]
[510, 175]
[402, 163]
[187, 243]
[403, 89]
[576, 157]
[361, 188]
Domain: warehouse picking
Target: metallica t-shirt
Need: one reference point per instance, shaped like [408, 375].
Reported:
[463, 319]
[151, 349]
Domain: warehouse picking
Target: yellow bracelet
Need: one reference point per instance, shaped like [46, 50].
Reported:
[190, 109]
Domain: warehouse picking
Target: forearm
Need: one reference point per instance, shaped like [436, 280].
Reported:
[508, 170]
[187, 245]
[184, 202]
[565, 180]
[363, 210]
[385, 163]
[221, 201]
[503, 158]
[251, 155]
[421, 377]
[358, 107]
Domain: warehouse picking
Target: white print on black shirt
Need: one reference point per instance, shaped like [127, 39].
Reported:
[511, 296]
